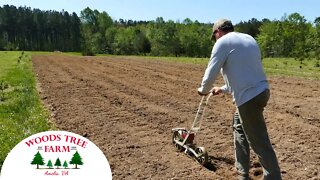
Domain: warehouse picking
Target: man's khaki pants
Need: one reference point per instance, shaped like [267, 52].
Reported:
[250, 129]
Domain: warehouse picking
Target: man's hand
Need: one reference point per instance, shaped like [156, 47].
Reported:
[216, 90]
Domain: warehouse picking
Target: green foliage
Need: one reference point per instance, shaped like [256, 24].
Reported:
[194, 40]
[123, 42]
[22, 113]
[25, 29]
[160, 37]
[271, 39]
[93, 29]
[141, 43]
[97, 33]
[110, 35]
[251, 27]
[3, 87]
[292, 37]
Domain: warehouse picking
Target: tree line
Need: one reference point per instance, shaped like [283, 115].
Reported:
[35, 30]
[95, 32]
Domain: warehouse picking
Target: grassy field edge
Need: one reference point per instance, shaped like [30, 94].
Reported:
[308, 68]
[21, 111]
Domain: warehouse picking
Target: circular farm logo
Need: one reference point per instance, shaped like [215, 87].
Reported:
[55, 155]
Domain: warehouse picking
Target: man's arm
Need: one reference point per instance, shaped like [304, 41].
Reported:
[218, 56]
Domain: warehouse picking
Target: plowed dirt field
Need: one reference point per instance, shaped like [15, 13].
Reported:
[128, 106]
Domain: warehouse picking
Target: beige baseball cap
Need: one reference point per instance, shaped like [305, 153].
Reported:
[221, 24]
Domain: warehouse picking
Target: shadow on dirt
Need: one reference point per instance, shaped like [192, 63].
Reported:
[210, 166]
[213, 161]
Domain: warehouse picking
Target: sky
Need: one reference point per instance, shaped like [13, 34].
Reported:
[205, 11]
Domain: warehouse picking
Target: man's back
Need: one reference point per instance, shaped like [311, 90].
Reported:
[242, 68]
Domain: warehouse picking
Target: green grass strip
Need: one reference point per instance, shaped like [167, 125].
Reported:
[21, 112]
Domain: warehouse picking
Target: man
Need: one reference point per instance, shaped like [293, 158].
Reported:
[238, 57]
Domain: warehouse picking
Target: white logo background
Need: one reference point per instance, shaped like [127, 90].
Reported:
[52, 145]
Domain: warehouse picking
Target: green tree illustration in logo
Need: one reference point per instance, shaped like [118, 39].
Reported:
[49, 164]
[65, 164]
[57, 163]
[37, 160]
[76, 159]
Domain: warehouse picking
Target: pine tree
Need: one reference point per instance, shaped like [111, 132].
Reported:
[57, 163]
[65, 164]
[38, 160]
[49, 164]
[76, 159]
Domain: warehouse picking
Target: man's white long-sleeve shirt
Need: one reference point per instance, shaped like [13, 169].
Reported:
[237, 56]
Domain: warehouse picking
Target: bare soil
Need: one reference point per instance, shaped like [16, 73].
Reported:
[128, 106]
